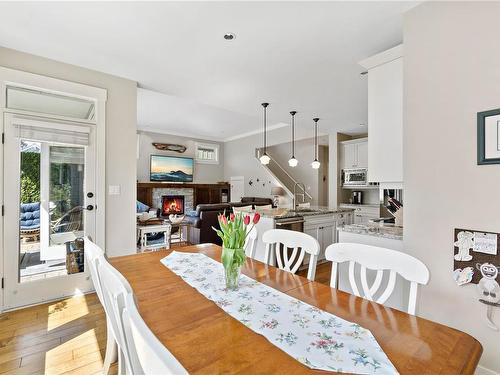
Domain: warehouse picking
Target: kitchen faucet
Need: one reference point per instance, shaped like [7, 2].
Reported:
[303, 194]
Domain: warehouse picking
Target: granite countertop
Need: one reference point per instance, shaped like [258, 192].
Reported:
[285, 213]
[390, 231]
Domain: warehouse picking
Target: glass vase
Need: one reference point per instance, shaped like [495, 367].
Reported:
[231, 273]
[232, 276]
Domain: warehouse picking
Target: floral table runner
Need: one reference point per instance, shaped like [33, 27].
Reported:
[314, 337]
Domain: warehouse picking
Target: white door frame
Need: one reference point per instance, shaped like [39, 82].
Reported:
[19, 294]
[16, 78]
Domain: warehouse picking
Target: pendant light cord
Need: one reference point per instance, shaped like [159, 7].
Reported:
[293, 133]
[316, 138]
[265, 130]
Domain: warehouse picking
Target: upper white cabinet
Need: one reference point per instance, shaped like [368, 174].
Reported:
[362, 154]
[354, 153]
[385, 116]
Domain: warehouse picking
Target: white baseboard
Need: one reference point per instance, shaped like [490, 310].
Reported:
[484, 371]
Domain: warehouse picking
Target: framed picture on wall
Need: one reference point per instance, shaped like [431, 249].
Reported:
[488, 137]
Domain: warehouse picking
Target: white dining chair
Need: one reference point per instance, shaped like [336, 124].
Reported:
[152, 356]
[279, 241]
[378, 259]
[95, 255]
[114, 290]
[251, 242]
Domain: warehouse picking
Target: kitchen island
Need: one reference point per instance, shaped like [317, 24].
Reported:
[319, 222]
[389, 236]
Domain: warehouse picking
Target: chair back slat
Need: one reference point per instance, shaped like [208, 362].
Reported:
[377, 259]
[371, 291]
[278, 252]
[352, 279]
[280, 241]
[295, 259]
[413, 298]
[251, 242]
[389, 289]
[364, 284]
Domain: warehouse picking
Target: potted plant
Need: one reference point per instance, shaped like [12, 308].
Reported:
[233, 233]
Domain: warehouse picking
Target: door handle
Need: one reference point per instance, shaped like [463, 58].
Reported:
[89, 207]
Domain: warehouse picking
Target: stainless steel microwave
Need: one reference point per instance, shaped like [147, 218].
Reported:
[355, 177]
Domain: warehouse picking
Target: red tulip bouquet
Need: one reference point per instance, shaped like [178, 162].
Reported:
[233, 233]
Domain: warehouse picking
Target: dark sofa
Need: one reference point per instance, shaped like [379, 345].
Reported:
[205, 218]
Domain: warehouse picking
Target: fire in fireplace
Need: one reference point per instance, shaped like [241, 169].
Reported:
[172, 204]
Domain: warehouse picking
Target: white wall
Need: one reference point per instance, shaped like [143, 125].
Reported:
[203, 173]
[239, 160]
[303, 172]
[451, 72]
[121, 119]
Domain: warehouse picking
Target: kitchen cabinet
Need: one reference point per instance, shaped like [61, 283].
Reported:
[345, 218]
[324, 229]
[354, 153]
[363, 213]
[385, 116]
[362, 154]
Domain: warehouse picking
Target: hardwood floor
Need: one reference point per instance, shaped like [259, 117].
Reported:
[65, 337]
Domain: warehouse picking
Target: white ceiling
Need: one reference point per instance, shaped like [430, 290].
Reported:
[296, 55]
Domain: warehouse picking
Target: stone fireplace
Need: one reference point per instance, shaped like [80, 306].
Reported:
[172, 204]
[187, 194]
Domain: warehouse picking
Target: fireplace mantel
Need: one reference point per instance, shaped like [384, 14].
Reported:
[203, 193]
[178, 185]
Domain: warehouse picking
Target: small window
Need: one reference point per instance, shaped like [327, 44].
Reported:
[207, 153]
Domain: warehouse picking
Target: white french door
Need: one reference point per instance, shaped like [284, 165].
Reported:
[49, 200]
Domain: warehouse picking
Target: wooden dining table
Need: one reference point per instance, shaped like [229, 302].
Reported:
[207, 340]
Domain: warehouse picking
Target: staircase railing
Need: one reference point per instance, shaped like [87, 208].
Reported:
[282, 175]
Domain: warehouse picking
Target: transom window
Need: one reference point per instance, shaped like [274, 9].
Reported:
[23, 99]
[207, 153]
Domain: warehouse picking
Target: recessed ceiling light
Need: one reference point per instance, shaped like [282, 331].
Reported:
[229, 36]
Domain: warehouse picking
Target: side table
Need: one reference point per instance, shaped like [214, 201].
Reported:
[144, 230]
[182, 237]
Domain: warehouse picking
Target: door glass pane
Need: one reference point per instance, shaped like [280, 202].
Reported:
[51, 210]
[29, 211]
[66, 193]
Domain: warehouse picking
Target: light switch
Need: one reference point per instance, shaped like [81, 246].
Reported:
[114, 190]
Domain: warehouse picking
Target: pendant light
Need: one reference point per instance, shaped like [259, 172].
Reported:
[265, 159]
[293, 162]
[315, 164]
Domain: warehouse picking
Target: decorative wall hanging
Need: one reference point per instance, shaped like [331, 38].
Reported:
[488, 137]
[477, 260]
[170, 147]
[471, 248]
